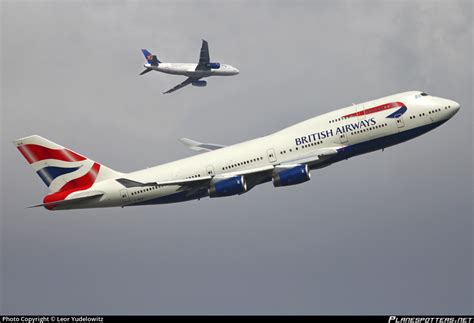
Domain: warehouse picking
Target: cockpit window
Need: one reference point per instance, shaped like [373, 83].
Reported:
[423, 94]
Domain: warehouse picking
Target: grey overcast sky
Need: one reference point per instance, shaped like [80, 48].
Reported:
[387, 232]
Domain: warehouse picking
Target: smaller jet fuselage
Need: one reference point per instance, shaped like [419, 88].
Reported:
[189, 69]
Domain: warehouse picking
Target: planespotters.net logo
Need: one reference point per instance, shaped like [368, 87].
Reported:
[52, 319]
[419, 319]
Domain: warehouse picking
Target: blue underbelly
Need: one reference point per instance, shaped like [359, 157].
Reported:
[174, 198]
[379, 143]
[343, 153]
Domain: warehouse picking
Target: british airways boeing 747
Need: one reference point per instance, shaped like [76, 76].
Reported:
[194, 72]
[283, 158]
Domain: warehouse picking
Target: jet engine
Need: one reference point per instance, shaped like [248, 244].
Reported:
[227, 187]
[213, 65]
[199, 83]
[291, 176]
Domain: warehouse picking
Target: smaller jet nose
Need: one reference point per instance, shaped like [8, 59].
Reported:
[456, 106]
[235, 71]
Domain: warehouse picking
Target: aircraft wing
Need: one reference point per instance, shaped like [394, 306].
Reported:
[199, 146]
[128, 183]
[191, 183]
[253, 176]
[203, 57]
[187, 81]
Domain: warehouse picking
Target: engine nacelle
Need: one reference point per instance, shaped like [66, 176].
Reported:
[199, 83]
[227, 187]
[213, 65]
[292, 176]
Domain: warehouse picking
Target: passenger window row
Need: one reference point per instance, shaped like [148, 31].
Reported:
[284, 151]
[312, 144]
[338, 119]
[369, 129]
[242, 163]
[148, 189]
[433, 111]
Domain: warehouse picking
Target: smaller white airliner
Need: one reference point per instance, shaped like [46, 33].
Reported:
[284, 158]
[194, 72]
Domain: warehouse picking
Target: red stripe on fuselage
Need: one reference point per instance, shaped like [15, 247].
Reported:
[81, 183]
[375, 109]
[34, 153]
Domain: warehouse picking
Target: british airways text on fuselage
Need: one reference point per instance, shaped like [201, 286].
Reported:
[320, 135]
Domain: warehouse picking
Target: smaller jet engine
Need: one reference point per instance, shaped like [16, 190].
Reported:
[199, 83]
[213, 65]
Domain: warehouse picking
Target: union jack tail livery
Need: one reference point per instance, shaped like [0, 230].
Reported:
[62, 170]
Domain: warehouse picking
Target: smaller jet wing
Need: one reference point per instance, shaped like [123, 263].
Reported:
[199, 146]
[204, 57]
[188, 81]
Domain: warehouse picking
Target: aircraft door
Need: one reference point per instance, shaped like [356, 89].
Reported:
[343, 138]
[124, 195]
[400, 122]
[271, 155]
[210, 170]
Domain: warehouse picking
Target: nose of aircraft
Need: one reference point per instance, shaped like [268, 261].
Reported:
[454, 107]
[236, 71]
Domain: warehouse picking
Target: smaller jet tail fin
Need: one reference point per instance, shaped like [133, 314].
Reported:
[150, 58]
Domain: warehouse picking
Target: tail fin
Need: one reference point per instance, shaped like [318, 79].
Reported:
[61, 169]
[150, 58]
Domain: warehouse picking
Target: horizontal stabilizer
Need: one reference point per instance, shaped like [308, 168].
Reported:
[146, 71]
[80, 197]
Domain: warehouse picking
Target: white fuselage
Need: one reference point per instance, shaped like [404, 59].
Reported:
[189, 70]
[353, 130]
